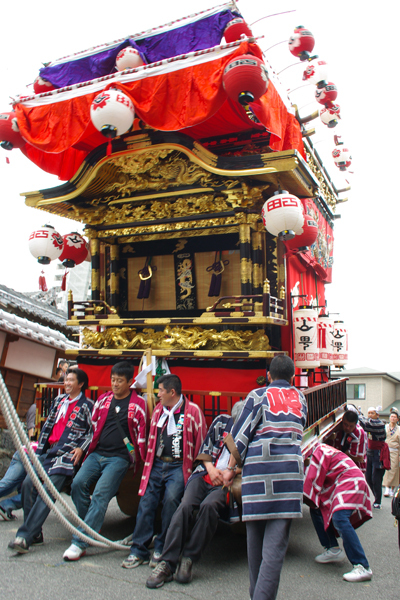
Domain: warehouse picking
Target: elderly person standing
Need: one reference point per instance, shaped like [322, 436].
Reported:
[391, 477]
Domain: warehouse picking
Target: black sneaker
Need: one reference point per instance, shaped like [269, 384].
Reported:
[161, 574]
[38, 540]
[184, 572]
[19, 545]
[7, 514]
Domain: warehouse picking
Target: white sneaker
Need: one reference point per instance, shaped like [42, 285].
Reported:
[386, 494]
[331, 555]
[359, 573]
[154, 560]
[74, 552]
[391, 492]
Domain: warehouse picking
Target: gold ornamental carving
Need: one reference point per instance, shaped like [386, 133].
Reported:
[157, 170]
[244, 234]
[257, 275]
[175, 338]
[326, 192]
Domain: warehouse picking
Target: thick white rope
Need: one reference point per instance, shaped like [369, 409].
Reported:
[35, 470]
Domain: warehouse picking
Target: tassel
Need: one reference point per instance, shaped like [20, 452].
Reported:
[7, 160]
[145, 275]
[42, 283]
[217, 268]
[109, 148]
[64, 281]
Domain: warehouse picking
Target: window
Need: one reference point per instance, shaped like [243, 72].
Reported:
[356, 391]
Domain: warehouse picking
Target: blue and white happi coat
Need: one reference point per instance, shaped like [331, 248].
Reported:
[268, 438]
[78, 433]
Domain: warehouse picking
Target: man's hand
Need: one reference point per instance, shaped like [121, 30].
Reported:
[214, 474]
[76, 454]
[228, 477]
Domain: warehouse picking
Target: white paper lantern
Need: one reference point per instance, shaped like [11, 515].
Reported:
[340, 355]
[342, 157]
[316, 71]
[330, 115]
[325, 339]
[128, 58]
[306, 352]
[283, 215]
[45, 244]
[112, 113]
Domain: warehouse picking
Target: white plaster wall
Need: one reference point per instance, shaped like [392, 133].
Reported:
[29, 357]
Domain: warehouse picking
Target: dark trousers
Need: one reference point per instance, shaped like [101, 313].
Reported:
[211, 502]
[267, 542]
[374, 475]
[35, 510]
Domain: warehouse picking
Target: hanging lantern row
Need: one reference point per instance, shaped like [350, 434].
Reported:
[318, 341]
[46, 244]
[301, 43]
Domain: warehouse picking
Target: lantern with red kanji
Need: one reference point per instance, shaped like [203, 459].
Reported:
[316, 71]
[75, 250]
[10, 136]
[301, 43]
[325, 340]
[342, 157]
[245, 79]
[306, 352]
[326, 93]
[340, 354]
[40, 85]
[330, 115]
[283, 215]
[235, 29]
[45, 244]
[112, 113]
[128, 58]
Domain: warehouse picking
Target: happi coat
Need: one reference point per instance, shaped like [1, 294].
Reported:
[138, 420]
[194, 432]
[268, 438]
[357, 445]
[333, 482]
[78, 433]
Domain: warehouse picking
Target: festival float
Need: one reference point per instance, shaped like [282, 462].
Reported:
[209, 213]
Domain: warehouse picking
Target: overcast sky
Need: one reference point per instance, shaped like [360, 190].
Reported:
[357, 42]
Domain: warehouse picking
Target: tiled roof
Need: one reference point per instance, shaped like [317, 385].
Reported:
[20, 304]
[34, 331]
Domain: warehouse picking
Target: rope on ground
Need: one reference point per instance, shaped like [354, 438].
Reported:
[35, 470]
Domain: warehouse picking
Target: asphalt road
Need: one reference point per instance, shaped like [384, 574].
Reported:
[222, 573]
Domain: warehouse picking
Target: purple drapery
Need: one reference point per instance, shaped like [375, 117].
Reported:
[199, 35]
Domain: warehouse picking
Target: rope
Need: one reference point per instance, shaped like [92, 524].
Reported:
[35, 470]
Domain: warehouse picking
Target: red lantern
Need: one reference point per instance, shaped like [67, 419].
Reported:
[245, 79]
[40, 85]
[326, 94]
[75, 250]
[303, 240]
[10, 136]
[301, 43]
[235, 29]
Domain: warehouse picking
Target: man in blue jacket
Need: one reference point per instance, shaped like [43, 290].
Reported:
[268, 439]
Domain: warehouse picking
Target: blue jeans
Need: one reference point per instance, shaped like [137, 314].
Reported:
[35, 510]
[108, 472]
[340, 522]
[11, 481]
[164, 478]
